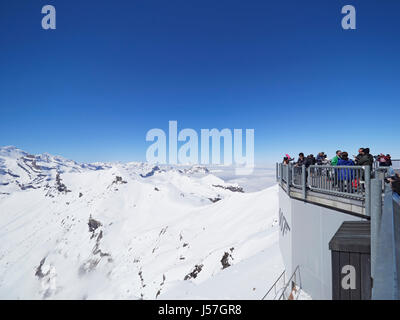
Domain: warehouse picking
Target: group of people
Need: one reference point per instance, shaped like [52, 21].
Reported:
[364, 158]
[384, 161]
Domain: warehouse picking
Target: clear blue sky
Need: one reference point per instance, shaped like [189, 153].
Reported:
[112, 70]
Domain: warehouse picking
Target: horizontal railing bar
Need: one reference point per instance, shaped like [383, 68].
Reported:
[334, 192]
[336, 167]
[349, 182]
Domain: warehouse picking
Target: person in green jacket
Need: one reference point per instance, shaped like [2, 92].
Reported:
[336, 158]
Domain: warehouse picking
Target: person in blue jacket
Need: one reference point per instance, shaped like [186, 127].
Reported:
[346, 175]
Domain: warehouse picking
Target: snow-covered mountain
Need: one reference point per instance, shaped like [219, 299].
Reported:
[131, 231]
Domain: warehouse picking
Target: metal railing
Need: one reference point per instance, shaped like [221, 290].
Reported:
[395, 164]
[351, 182]
[339, 180]
[281, 282]
[297, 176]
[293, 285]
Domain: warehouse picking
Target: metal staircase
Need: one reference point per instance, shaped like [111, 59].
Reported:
[285, 290]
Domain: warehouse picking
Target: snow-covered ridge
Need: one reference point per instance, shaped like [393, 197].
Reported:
[129, 231]
[20, 170]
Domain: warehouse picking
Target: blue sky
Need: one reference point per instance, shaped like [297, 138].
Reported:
[112, 70]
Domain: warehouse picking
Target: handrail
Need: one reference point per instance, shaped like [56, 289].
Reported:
[339, 180]
[290, 281]
[350, 182]
[395, 164]
[274, 285]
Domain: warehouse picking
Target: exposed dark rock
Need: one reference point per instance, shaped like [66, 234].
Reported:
[39, 273]
[80, 194]
[225, 259]
[230, 188]
[96, 249]
[93, 224]
[214, 199]
[150, 173]
[163, 230]
[23, 168]
[119, 180]
[156, 189]
[140, 273]
[12, 174]
[196, 169]
[25, 187]
[196, 270]
[35, 166]
[61, 187]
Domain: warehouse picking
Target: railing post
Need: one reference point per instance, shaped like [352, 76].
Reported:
[277, 168]
[386, 263]
[376, 215]
[303, 181]
[367, 172]
[289, 174]
[280, 173]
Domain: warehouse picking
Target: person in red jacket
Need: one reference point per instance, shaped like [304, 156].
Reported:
[382, 160]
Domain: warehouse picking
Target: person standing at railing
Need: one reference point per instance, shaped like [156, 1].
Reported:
[286, 161]
[301, 160]
[336, 158]
[310, 160]
[366, 158]
[388, 160]
[321, 159]
[346, 175]
[290, 159]
[298, 167]
[334, 162]
[358, 157]
[384, 161]
[381, 160]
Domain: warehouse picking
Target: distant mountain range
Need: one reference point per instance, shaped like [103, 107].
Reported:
[130, 231]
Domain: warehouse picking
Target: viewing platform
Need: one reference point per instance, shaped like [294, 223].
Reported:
[318, 201]
[344, 188]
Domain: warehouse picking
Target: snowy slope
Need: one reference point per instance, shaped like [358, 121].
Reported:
[131, 231]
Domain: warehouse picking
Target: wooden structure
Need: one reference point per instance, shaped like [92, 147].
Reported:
[351, 261]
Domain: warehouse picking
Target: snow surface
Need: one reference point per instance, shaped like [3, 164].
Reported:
[133, 231]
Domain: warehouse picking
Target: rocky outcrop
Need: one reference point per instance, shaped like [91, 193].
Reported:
[230, 188]
[194, 273]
